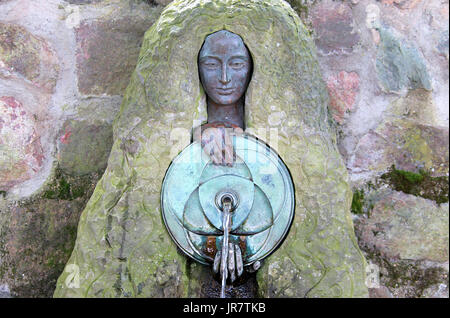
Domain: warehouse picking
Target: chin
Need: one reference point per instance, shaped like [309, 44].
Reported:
[222, 100]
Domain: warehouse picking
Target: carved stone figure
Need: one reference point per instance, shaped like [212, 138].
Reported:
[122, 247]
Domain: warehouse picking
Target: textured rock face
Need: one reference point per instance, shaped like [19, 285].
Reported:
[84, 147]
[403, 4]
[334, 25]
[29, 69]
[21, 152]
[410, 143]
[442, 45]
[343, 89]
[38, 236]
[407, 227]
[54, 138]
[406, 237]
[107, 51]
[122, 248]
[28, 55]
[407, 145]
[401, 61]
[400, 65]
[83, 1]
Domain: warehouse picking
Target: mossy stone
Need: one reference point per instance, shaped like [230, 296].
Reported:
[84, 147]
[123, 248]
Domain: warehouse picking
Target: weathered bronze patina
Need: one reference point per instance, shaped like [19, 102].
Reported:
[227, 199]
[225, 67]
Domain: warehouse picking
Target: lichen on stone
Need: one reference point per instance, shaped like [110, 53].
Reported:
[122, 247]
[399, 65]
[301, 6]
[37, 234]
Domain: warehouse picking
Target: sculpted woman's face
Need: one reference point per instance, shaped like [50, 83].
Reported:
[225, 67]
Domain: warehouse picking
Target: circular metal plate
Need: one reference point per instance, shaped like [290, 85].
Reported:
[263, 191]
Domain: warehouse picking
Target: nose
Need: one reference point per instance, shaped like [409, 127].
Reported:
[225, 78]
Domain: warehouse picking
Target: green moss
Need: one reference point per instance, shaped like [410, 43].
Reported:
[361, 204]
[133, 179]
[63, 242]
[300, 6]
[38, 238]
[358, 202]
[411, 177]
[66, 187]
[3, 193]
[410, 276]
[419, 184]
[78, 192]
[150, 2]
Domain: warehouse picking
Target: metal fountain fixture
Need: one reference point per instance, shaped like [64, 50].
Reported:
[228, 216]
[230, 212]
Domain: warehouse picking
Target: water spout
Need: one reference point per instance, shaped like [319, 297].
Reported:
[227, 204]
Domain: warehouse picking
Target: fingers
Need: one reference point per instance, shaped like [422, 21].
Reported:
[217, 143]
[238, 130]
[216, 264]
[234, 267]
[223, 265]
[210, 144]
[231, 262]
[228, 148]
[217, 156]
[239, 262]
[228, 158]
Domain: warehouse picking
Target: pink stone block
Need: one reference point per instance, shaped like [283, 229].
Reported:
[343, 89]
[21, 153]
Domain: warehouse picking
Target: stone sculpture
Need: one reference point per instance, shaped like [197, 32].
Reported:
[122, 247]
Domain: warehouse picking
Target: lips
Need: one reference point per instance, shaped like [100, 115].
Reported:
[225, 91]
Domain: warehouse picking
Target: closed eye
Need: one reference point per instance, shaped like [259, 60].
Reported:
[210, 63]
[237, 63]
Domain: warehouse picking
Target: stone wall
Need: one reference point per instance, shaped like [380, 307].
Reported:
[64, 67]
[386, 66]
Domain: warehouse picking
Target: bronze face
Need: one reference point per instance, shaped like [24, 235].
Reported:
[225, 68]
